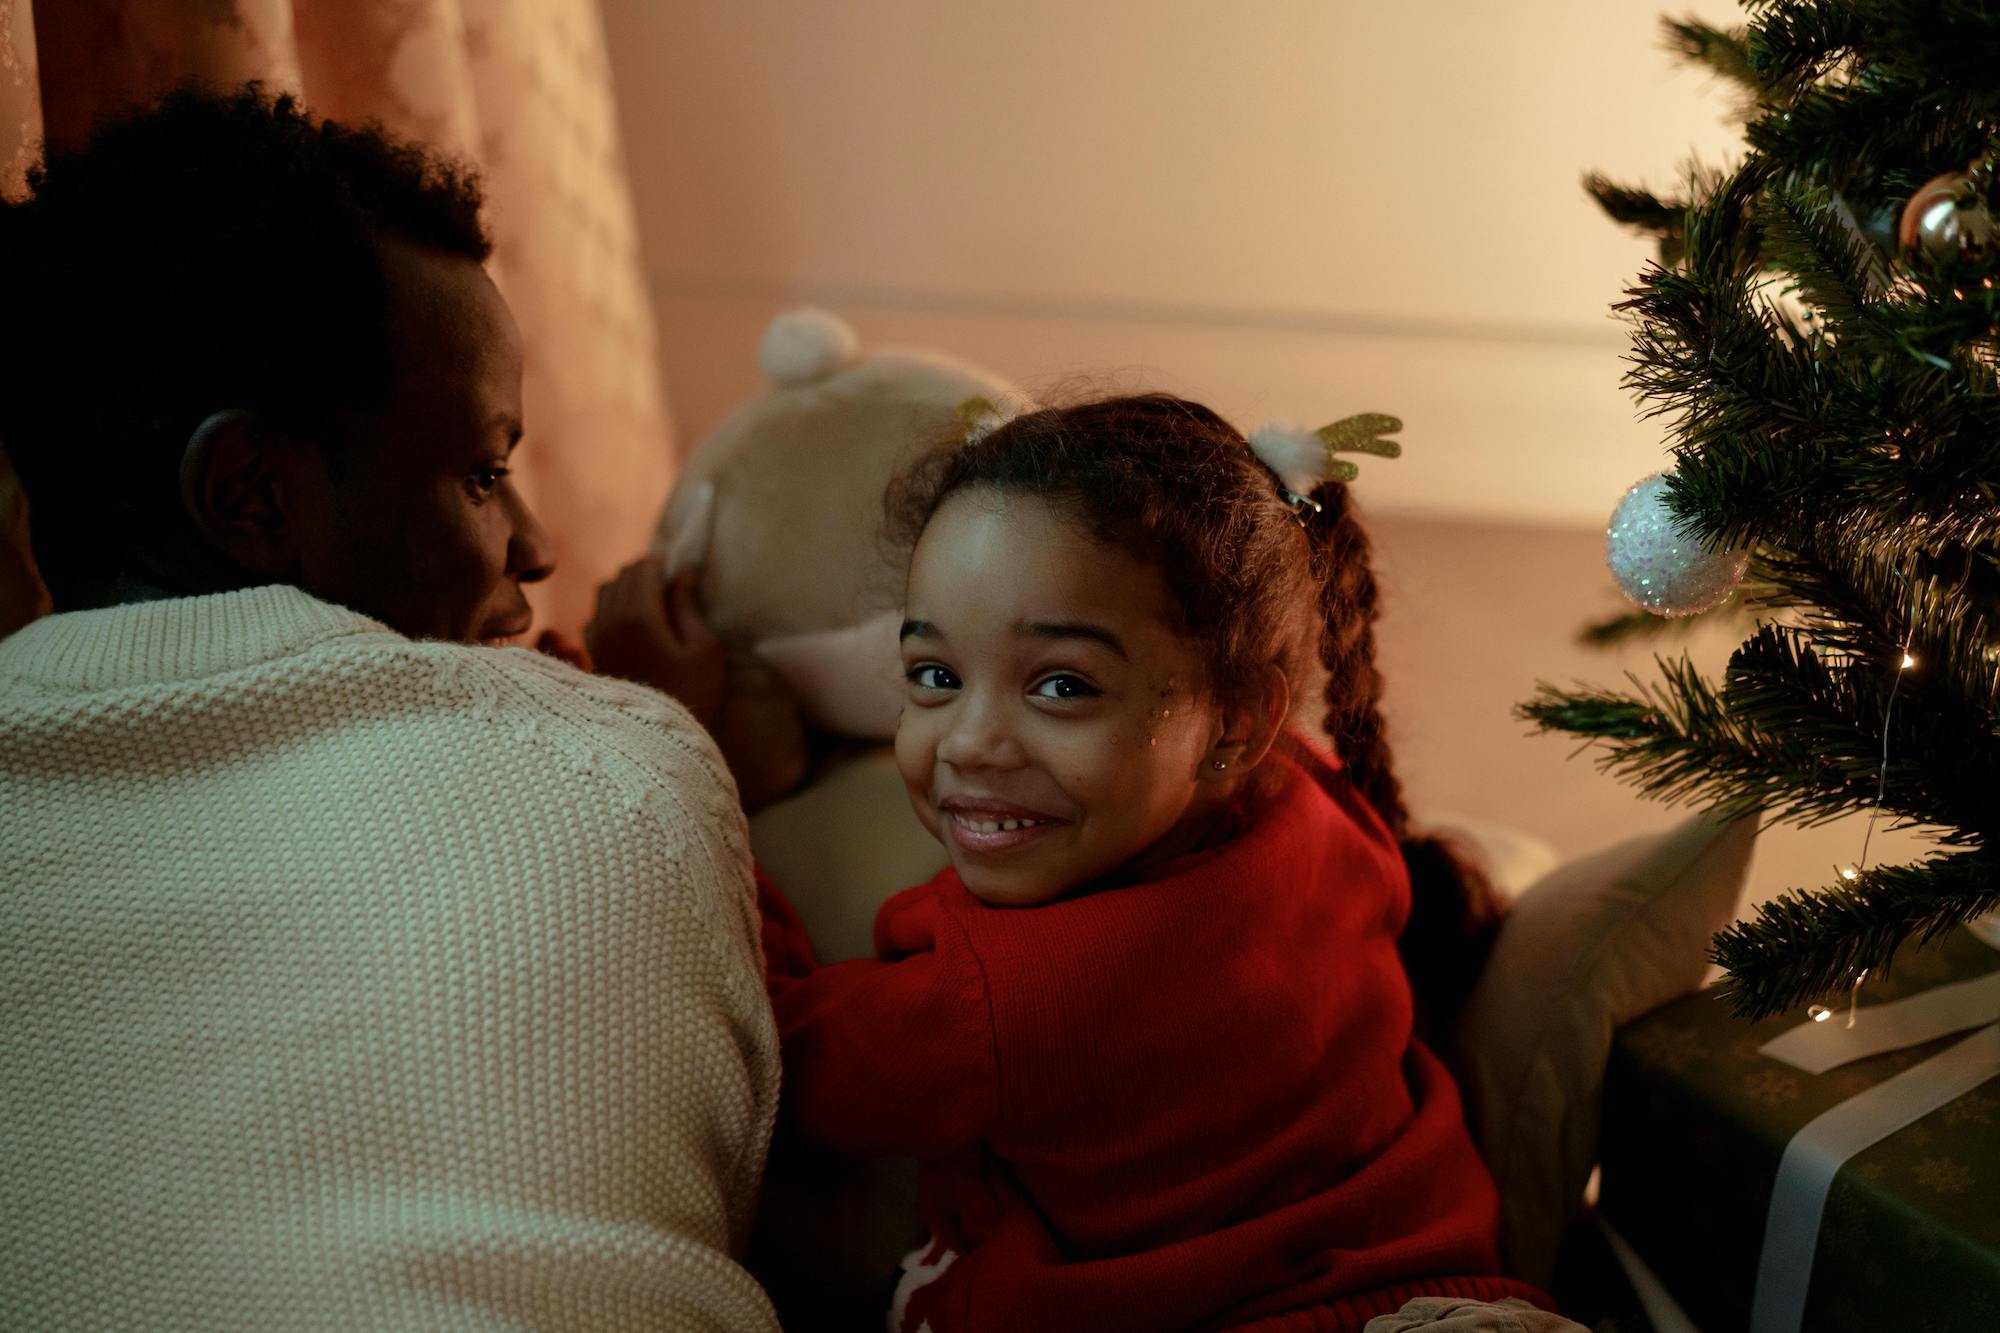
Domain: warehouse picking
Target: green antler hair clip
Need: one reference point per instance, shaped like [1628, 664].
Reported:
[1303, 459]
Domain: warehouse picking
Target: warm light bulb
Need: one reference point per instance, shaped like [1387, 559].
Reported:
[1849, 872]
[1820, 1013]
[1908, 661]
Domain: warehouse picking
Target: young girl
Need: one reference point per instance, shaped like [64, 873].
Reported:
[1149, 1034]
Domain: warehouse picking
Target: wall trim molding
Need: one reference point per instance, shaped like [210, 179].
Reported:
[848, 297]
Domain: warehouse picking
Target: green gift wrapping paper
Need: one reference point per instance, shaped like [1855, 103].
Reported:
[1695, 1121]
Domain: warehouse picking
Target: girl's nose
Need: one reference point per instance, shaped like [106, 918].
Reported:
[978, 736]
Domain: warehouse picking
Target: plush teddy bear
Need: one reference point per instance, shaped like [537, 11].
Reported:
[782, 507]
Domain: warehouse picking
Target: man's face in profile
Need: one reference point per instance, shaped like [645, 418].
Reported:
[23, 597]
[419, 524]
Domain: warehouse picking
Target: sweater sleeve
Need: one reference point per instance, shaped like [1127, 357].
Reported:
[892, 1056]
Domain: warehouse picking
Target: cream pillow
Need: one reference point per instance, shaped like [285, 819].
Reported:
[839, 846]
[1589, 947]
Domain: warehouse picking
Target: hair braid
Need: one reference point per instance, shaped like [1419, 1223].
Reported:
[1347, 650]
[1454, 911]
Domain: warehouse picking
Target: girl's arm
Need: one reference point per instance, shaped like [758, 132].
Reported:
[891, 1058]
[788, 950]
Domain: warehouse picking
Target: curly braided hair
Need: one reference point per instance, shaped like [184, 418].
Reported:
[1174, 482]
[1454, 912]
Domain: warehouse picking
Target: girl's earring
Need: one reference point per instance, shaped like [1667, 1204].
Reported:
[1219, 765]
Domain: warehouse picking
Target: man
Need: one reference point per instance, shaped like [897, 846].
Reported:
[354, 976]
[22, 595]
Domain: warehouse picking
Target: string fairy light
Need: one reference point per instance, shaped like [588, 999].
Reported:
[1819, 1012]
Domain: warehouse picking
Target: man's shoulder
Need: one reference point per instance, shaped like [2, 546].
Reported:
[545, 709]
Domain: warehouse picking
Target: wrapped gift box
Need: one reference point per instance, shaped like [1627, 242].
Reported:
[1696, 1120]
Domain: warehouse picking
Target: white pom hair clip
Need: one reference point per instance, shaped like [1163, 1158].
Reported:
[804, 345]
[1303, 459]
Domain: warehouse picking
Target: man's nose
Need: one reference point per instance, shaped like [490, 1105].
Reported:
[531, 556]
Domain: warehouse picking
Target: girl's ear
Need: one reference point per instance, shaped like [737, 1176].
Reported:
[1250, 725]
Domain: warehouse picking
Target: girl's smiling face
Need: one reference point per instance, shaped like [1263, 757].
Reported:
[1056, 729]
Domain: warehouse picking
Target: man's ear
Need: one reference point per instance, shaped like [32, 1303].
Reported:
[238, 483]
[1250, 726]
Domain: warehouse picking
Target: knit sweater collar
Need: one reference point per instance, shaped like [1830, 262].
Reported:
[180, 638]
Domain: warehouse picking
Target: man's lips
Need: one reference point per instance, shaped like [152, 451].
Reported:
[499, 634]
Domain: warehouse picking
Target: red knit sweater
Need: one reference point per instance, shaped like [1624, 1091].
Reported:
[1193, 1102]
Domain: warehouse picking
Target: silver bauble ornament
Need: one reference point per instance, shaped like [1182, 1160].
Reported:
[1658, 568]
[1947, 218]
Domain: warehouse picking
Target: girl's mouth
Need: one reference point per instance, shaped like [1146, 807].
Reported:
[977, 834]
[993, 828]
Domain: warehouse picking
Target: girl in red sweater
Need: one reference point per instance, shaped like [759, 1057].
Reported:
[1151, 1035]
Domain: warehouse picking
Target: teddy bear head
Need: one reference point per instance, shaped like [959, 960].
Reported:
[782, 505]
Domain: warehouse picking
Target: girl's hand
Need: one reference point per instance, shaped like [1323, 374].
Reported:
[651, 630]
[560, 646]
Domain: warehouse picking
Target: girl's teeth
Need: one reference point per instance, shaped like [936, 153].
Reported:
[997, 826]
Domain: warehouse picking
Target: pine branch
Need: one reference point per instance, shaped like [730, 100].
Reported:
[1864, 603]
[1706, 354]
[1674, 741]
[1779, 438]
[1810, 944]
[1838, 271]
[1641, 210]
[1799, 734]
[1819, 721]
[1629, 625]
[1794, 41]
[1726, 53]
[1907, 462]
[1849, 134]
[1941, 42]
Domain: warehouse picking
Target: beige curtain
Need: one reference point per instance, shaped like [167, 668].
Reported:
[521, 88]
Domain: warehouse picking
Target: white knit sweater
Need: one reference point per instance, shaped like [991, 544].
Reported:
[350, 982]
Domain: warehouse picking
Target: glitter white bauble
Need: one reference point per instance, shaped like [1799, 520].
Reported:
[1658, 568]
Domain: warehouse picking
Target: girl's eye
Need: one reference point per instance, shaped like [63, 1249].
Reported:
[1065, 687]
[931, 676]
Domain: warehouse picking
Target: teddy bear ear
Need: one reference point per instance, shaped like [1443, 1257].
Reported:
[804, 345]
[687, 527]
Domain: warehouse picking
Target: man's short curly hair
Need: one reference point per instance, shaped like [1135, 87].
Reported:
[214, 250]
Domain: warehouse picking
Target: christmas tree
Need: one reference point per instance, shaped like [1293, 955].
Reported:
[1819, 337]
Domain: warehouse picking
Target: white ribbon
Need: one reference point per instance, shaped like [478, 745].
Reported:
[1895, 1026]
[1818, 1151]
